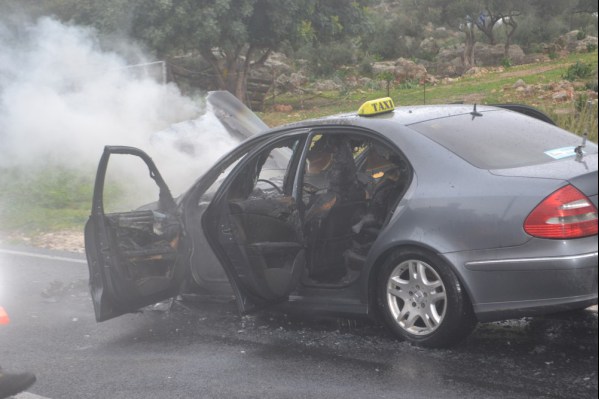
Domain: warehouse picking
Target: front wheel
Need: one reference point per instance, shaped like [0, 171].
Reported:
[422, 300]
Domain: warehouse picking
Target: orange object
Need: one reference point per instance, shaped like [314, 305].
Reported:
[3, 316]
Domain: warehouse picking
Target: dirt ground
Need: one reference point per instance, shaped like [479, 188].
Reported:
[64, 240]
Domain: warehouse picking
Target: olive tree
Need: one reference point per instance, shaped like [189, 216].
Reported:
[235, 35]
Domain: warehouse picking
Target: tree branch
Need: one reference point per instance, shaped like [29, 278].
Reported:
[263, 57]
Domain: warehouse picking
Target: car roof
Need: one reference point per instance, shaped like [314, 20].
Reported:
[503, 139]
[402, 115]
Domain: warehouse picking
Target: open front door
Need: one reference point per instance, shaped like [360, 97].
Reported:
[132, 256]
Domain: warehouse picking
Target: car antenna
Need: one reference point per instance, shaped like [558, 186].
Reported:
[578, 150]
[475, 113]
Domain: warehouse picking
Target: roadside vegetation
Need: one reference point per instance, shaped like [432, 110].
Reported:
[492, 87]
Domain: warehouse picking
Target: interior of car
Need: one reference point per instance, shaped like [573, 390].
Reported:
[320, 233]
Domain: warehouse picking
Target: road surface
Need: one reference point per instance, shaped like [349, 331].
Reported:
[203, 348]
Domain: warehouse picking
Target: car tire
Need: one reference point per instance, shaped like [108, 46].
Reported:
[422, 300]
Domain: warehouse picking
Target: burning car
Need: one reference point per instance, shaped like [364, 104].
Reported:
[429, 218]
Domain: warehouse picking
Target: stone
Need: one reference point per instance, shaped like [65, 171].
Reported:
[519, 83]
[408, 70]
[562, 96]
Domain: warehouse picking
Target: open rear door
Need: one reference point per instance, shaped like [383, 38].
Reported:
[132, 256]
[254, 226]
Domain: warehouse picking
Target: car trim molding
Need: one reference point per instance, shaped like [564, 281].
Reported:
[544, 263]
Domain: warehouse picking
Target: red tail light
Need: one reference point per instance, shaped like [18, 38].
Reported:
[567, 213]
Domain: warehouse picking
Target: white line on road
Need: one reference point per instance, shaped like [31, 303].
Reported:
[35, 255]
[27, 395]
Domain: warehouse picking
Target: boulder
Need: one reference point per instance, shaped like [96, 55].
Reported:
[278, 63]
[408, 70]
[429, 46]
[519, 83]
[562, 96]
[448, 54]
[488, 55]
[382, 67]
[571, 42]
[450, 69]
[402, 69]
[291, 82]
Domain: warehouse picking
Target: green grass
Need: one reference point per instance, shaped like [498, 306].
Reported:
[579, 121]
[43, 199]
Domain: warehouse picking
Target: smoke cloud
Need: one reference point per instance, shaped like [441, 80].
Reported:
[62, 98]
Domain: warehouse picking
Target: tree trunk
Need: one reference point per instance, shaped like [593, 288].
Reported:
[213, 61]
[509, 35]
[232, 74]
[242, 74]
[470, 40]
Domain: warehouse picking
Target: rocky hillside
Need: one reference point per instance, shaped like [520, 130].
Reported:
[294, 76]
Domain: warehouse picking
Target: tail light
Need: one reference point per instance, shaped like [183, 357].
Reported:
[567, 213]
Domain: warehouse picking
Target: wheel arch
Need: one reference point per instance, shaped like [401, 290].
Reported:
[373, 307]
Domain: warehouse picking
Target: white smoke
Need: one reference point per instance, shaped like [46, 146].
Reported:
[62, 98]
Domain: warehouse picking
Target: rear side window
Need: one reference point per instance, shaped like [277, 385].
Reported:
[502, 139]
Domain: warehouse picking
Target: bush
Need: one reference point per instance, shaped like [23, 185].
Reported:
[580, 70]
[365, 67]
[591, 86]
[396, 36]
[581, 102]
[534, 48]
[408, 84]
[326, 58]
[591, 47]
[506, 63]
[580, 35]
[583, 121]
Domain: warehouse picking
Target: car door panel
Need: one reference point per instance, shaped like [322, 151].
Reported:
[256, 225]
[133, 257]
[267, 233]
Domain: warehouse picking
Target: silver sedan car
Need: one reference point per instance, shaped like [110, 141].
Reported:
[428, 218]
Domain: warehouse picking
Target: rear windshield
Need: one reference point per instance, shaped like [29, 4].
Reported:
[502, 139]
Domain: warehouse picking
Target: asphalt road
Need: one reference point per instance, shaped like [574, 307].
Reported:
[203, 349]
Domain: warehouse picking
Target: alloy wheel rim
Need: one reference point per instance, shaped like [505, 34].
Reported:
[416, 297]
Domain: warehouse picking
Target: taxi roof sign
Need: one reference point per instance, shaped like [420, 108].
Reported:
[376, 107]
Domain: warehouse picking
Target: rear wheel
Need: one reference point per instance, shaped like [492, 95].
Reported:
[422, 300]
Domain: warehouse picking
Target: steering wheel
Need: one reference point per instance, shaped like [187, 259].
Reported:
[272, 184]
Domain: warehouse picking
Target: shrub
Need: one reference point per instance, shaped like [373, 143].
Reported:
[591, 86]
[580, 70]
[581, 102]
[326, 58]
[591, 47]
[581, 34]
[580, 122]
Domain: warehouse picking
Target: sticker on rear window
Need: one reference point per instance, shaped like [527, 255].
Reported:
[559, 153]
